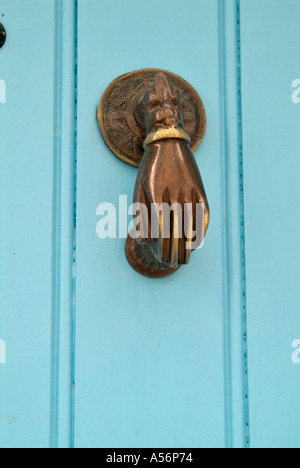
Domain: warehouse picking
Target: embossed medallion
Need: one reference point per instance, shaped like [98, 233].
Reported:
[121, 114]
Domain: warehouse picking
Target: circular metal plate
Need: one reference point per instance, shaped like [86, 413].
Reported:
[120, 126]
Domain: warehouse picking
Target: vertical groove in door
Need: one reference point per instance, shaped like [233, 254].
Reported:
[73, 307]
[62, 379]
[234, 276]
[225, 236]
[242, 225]
[56, 225]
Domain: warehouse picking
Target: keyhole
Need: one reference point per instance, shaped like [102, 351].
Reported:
[2, 35]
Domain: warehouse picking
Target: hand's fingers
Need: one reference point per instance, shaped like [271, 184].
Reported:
[144, 199]
[174, 229]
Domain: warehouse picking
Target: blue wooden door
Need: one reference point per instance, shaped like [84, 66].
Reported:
[91, 353]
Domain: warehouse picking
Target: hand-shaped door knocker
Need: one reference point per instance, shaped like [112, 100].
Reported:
[154, 119]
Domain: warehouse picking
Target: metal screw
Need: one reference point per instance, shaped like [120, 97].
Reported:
[2, 35]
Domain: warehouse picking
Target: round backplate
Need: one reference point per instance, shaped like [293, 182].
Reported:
[123, 132]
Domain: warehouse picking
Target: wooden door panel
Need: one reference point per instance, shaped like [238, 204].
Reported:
[36, 115]
[271, 124]
[153, 357]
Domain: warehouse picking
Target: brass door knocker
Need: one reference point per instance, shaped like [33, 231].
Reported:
[154, 119]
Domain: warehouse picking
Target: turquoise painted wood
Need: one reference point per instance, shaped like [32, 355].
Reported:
[271, 125]
[91, 353]
[36, 234]
[26, 218]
